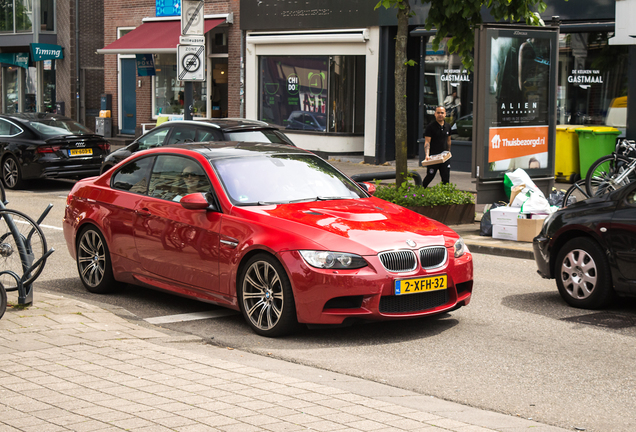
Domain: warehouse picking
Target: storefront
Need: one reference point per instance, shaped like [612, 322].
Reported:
[155, 42]
[27, 57]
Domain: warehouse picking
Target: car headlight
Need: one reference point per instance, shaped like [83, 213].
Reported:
[332, 260]
[460, 248]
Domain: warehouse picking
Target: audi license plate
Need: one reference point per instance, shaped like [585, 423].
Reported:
[414, 286]
[80, 152]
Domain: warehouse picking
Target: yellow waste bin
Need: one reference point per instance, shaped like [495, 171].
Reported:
[566, 154]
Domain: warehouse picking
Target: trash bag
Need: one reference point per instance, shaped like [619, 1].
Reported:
[531, 201]
[485, 226]
[556, 197]
[518, 177]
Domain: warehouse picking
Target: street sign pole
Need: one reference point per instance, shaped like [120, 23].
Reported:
[188, 100]
[192, 31]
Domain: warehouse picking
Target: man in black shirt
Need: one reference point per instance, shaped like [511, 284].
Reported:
[437, 139]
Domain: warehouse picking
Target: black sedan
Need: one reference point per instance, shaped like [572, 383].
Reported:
[40, 145]
[184, 131]
[589, 247]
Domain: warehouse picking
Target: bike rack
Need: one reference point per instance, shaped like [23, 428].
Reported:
[25, 292]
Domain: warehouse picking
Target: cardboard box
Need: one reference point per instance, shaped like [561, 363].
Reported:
[446, 157]
[505, 215]
[527, 229]
[504, 232]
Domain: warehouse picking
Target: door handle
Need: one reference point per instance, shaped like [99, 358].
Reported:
[143, 212]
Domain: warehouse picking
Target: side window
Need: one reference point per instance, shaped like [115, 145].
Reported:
[181, 134]
[174, 177]
[7, 129]
[208, 135]
[154, 138]
[133, 177]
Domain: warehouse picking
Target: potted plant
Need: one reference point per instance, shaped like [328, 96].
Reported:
[442, 202]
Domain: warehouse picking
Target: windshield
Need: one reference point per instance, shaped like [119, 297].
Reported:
[57, 127]
[272, 136]
[282, 179]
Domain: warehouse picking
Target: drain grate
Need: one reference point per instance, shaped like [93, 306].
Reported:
[604, 319]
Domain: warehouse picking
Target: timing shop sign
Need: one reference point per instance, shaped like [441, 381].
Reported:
[512, 142]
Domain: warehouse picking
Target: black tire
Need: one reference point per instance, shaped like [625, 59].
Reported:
[583, 274]
[3, 300]
[575, 193]
[11, 173]
[600, 178]
[93, 262]
[265, 297]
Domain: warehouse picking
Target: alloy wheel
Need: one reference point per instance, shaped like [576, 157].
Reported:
[10, 172]
[91, 258]
[579, 274]
[263, 297]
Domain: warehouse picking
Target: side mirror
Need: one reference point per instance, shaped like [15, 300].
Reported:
[369, 187]
[195, 201]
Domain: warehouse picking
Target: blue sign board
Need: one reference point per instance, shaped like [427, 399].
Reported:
[17, 59]
[41, 52]
[168, 8]
[145, 65]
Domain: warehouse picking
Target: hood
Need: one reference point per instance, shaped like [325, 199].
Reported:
[363, 226]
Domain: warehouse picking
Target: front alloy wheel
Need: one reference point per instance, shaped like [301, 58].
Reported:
[583, 274]
[266, 297]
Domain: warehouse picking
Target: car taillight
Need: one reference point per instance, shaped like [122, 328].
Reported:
[48, 149]
[104, 146]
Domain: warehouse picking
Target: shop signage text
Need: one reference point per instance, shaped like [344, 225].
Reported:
[41, 52]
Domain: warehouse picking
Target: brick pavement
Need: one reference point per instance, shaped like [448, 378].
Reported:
[66, 365]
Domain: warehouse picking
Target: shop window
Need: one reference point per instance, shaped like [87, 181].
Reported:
[592, 87]
[47, 15]
[313, 93]
[6, 16]
[169, 91]
[10, 89]
[447, 83]
[24, 15]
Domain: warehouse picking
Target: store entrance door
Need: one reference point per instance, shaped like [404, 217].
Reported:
[128, 96]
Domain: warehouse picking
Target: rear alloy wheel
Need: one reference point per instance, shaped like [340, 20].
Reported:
[266, 297]
[11, 174]
[583, 274]
[93, 262]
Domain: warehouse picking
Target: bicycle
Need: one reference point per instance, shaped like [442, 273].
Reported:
[613, 171]
[575, 193]
[23, 252]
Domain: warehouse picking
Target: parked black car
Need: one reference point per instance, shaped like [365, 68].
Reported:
[589, 247]
[183, 131]
[41, 145]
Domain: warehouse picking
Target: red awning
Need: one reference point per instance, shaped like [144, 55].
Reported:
[153, 37]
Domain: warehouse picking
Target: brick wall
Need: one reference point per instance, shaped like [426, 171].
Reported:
[65, 68]
[129, 13]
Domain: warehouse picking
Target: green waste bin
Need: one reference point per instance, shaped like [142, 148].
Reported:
[594, 143]
[566, 153]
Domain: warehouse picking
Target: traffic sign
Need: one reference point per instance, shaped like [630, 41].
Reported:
[191, 62]
[192, 19]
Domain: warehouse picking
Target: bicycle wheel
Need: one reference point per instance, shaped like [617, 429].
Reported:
[21, 245]
[3, 300]
[575, 193]
[601, 177]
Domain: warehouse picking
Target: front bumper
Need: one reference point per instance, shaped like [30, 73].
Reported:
[540, 246]
[331, 296]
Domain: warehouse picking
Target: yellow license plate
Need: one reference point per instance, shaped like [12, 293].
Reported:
[414, 286]
[80, 152]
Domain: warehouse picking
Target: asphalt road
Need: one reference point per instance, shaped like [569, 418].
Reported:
[517, 348]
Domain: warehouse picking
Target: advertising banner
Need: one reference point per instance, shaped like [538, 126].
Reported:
[145, 65]
[16, 59]
[514, 122]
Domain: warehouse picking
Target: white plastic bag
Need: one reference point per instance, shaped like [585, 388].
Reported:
[519, 177]
[531, 202]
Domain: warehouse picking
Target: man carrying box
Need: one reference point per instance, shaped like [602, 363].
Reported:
[437, 139]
